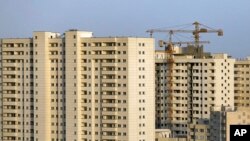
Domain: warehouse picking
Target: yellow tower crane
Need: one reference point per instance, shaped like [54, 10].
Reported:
[198, 29]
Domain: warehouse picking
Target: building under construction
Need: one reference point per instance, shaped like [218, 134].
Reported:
[196, 86]
[189, 82]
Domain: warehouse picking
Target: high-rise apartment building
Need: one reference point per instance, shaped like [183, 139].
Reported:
[223, 117]
[198, 84]
[242, 82]
[75, 87]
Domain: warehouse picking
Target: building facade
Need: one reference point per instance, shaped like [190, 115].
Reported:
[77, 87]
[242, 82]
[223, 117]
[199, 131]
[198, 84]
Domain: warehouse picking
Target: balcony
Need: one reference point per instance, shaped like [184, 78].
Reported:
[11, 96]
[10, 80]
[109, 72]
[109, 64]
[9, 134]
[10, 103]
[11, 118]
[110, 121]
[9, 72]
[10, 110]
[180, 114]
[11, 57]
[104, 56]
[10, 64]
[109, 80]
[112, 105]
[109, 129]
[11, 126]
[10, 87]
[109, 96]
[109, 88]
[109, 112]
[12, 49]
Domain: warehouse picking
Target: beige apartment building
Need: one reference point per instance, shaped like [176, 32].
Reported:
[242, 82]
[198, 84]
[223, 117]
[76, 87]
[165, 135]
[199, 131]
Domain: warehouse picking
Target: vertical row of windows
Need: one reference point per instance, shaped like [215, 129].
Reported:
[141, 83]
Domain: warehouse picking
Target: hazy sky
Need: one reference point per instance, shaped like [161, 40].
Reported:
[19, 18]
